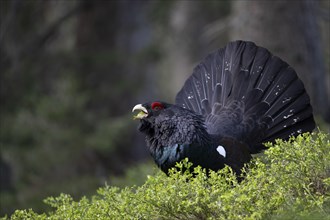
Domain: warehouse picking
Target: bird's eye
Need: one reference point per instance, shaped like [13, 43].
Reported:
[156, 106]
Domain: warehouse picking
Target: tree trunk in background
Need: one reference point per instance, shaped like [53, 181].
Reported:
[184, 43]
[289, 29]
[177, 63]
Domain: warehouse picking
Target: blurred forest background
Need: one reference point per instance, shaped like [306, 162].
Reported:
[71, 71]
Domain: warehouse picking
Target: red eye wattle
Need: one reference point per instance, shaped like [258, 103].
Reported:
[157, 106]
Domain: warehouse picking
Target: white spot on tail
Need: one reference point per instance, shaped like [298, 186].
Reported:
[287, 116]
[286, 100]
[221, 150]
[295, 120]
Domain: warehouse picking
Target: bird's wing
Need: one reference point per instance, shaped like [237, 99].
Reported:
[245, 92]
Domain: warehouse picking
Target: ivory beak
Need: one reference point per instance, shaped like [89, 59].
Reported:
[143, 112]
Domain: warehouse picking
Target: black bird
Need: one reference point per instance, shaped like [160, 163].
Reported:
[237, 98]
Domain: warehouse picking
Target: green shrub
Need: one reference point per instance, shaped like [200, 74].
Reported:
[290, 181]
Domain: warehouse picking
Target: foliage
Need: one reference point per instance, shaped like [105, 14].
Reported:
[135, 175]
[290, 181]
[60, 125]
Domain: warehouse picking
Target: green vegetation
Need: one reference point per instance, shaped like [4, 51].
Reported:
[58, 146]
[290, 181]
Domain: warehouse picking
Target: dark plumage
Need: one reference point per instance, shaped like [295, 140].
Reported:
[236, 99]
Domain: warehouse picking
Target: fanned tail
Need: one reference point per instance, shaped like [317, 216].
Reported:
[245, 92]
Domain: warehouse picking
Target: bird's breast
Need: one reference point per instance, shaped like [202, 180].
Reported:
[166, 157]
[206, 156]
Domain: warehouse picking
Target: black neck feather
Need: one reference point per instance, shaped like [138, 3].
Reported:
[183, 127]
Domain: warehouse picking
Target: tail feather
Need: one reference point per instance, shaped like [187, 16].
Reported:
[260, 61]
[287, 98]
[272, 68]
[303, 126]
[298, 104]
[257, 110]
[280, 84]
[253, 97]
[247, 93]
[216, 98]
[290, 121]
[240, 86]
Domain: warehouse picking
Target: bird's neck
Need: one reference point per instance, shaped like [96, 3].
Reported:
[164, 135]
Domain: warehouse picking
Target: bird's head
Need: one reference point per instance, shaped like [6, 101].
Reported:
[148, 113]
[167, 124]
